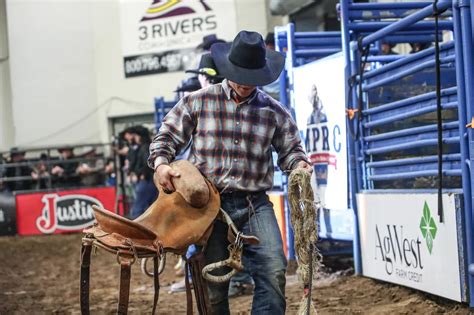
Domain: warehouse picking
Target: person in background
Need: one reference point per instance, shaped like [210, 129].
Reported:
[232, 146]
[387, 49]
[92, 169]
[416, 47]
[272, 89]
[206, 72]
[142, 176]
[208, 41]
[19, 168]
[64, 171]
[41, 173]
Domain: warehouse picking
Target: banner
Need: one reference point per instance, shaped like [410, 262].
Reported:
[403, 241]
[64, 211]
[7, 214]
[162, 35]
[321, 118]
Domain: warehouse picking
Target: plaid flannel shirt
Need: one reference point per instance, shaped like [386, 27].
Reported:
[231, 142]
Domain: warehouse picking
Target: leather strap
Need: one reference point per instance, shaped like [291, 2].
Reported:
[86, 250]
[197, 263]
[156, 282]
[124, 290]
[189, 297]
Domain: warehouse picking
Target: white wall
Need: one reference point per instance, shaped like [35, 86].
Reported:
[52, 71]
[67, 63]
[6, 118]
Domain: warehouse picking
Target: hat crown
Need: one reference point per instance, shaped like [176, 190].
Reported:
[207, 62]
[248, 50]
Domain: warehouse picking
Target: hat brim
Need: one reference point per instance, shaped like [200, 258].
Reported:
[245, 76]
[197, 71]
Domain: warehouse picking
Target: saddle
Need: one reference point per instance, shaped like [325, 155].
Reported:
[172, 223]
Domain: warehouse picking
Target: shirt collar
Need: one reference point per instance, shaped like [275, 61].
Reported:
[228, 92]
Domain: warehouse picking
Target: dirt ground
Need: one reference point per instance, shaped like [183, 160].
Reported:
[41, 275]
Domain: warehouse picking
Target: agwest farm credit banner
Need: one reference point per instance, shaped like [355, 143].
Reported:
[162, 35]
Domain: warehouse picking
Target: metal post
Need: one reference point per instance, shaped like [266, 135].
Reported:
[464, 41]
[352, 162]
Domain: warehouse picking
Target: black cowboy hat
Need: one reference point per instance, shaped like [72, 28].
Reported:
[246, 61]
[189, 85]
[16, 151]
[65, 148]
[206, 67]
[208, 41]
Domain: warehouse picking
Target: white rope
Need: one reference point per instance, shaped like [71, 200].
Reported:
[303, 220]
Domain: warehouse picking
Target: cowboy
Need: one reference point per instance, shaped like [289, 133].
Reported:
[234, 126]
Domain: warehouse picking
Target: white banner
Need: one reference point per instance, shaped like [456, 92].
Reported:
[161, 35]
[321, 118]
[404, 242]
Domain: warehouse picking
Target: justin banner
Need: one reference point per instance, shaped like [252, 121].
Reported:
[320, 115]
[162, 35]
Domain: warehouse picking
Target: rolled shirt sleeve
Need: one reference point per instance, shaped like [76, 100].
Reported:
[287, 142]
[175, 131]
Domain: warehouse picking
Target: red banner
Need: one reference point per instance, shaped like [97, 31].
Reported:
[59, 212]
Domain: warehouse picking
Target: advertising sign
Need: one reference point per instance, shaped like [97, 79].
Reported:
[321, 118]
[404, 242]
[162, 35]
[7, 214]
[57, 212]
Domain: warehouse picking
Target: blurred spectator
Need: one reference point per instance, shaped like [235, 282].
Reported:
[387, 49]
[273, 89]
[18, 168]
[64, 171]
[92, 169]
[416, 47]
[142, 174]
[208, 41]
[110, 173]
[206, 71]
[41, 173]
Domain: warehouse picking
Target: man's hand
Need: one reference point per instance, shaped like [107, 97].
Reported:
[163, 174]
[306, 166]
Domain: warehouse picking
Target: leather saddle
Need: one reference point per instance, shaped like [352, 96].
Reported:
[172, 223]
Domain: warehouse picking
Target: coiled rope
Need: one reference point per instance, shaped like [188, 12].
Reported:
[304, 212]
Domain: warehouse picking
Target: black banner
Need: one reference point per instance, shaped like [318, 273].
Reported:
[7, 214]
[169, 61]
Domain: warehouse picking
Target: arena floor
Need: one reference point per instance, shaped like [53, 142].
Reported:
[40, 275]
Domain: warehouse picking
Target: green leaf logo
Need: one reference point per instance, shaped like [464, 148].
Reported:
[428, 227]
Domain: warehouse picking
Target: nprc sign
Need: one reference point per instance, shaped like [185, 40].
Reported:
[66, 211]
[403, 241]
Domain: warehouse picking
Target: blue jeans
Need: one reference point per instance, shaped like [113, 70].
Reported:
[265, 262]
[145, 195]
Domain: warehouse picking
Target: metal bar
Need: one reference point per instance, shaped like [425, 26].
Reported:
[406, 72]
[384, 58]
[386, 28]
[323, 41]
[311, 34]
[410, 131]
[373, 14]
[415, 160]
[414, 174]
[410, 22]
[409, 101]
[410, 59]
[352, 161]
[316, 52]
[410, 145]
[466, 44]
[387, 5]
[413, 113]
